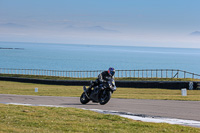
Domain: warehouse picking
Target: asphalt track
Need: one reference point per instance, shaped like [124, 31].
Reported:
[188, 110]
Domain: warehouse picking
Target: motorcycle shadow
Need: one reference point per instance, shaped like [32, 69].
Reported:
[79, 104]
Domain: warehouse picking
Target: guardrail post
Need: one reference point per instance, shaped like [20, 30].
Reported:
[177, 73]
[118, 73]
[184, 74]
[146, 73]
[142, 73]
[138, 73]
[156, 73]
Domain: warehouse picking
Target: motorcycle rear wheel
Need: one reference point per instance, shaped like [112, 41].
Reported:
[104, 97]
[84, 99]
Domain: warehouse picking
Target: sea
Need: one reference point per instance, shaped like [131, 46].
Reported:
[75, 57]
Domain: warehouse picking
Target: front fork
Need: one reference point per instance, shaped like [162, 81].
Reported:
[85, 90]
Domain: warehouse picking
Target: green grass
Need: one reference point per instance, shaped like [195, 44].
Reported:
[49, 119]
[158, 94]
[21, 119]
[7, 87]
[119, 79]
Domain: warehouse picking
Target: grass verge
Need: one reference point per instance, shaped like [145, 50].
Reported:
[50, 119]
[7, 87]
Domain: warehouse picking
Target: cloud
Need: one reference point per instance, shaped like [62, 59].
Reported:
[195, 33]
[12, 25]
[97, 29]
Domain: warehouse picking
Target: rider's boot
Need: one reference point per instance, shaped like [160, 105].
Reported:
[88, 90]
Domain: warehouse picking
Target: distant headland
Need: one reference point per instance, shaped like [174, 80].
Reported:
[13, 48]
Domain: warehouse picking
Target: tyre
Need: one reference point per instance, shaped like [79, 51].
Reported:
[104, 97]
[84, 99]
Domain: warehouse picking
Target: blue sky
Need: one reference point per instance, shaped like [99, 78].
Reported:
[156, 23]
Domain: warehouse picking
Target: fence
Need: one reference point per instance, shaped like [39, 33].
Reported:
[145, 73]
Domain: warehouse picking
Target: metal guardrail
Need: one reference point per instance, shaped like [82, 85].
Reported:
[144, 73]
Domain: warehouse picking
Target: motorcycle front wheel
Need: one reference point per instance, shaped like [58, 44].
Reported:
[104, 97]
[84, 99]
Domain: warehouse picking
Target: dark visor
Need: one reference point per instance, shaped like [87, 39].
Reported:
[112, 73]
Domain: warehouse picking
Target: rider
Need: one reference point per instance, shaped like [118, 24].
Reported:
[102, 77]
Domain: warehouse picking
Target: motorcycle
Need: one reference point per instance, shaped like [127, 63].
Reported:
[99, 94]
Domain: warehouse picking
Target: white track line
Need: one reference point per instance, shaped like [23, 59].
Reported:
[154, 119]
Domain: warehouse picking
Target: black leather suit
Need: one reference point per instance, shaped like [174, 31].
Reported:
[102, 77]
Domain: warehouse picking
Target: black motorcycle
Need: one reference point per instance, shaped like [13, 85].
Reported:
[99, 94]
